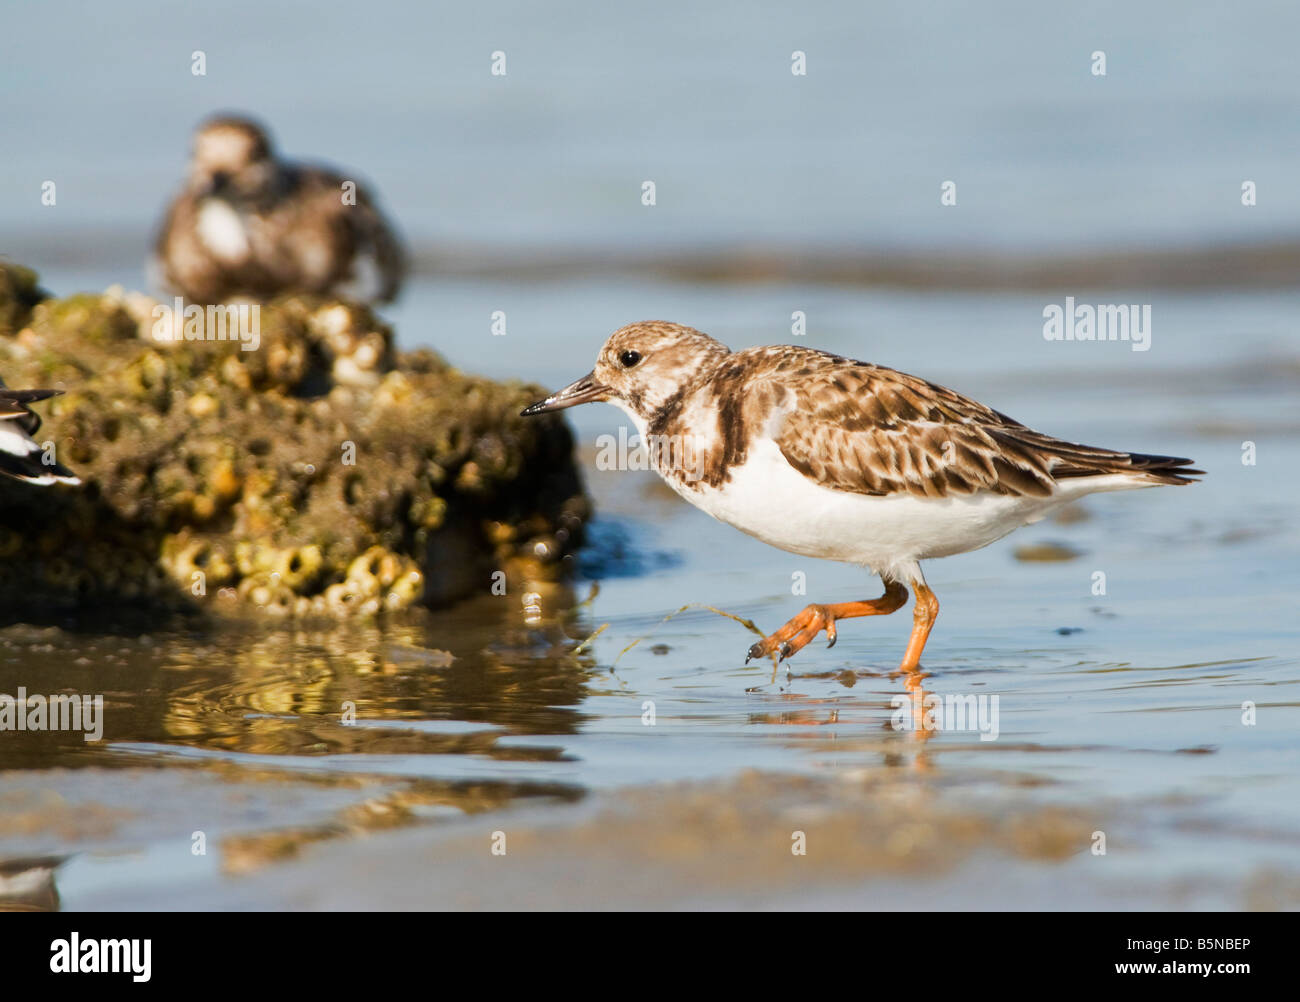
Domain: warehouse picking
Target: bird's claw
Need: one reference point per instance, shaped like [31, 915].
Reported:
[758, 650]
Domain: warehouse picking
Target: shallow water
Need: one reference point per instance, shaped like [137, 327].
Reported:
[1119, 713]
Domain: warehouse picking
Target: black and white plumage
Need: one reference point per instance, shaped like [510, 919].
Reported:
[21, 456]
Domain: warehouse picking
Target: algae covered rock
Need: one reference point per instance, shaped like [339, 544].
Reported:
[296, 464]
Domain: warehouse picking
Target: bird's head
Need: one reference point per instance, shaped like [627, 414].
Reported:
[231, 158]
[640, 367]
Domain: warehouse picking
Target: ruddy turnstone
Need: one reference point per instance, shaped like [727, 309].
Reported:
[247, 224]
[829, 457]
[21, 456]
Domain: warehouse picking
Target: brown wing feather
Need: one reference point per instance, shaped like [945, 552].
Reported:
[868, 429]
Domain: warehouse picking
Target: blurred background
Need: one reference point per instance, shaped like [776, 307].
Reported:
[700, 98]
[776, 193]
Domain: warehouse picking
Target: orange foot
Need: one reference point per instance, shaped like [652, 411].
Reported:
[798, 632]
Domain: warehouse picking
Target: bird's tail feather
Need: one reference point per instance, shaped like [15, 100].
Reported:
[33, 470]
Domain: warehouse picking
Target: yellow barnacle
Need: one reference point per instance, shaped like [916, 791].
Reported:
[300, 566]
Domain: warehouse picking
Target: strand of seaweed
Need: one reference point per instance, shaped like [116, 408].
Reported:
[747, 623]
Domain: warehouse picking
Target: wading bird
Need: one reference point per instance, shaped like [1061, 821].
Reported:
[247, 224]
[829, 457]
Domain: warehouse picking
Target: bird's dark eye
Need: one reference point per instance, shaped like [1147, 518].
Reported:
[629, 358]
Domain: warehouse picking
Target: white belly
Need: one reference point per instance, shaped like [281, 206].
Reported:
[769, 499]
[222, 231]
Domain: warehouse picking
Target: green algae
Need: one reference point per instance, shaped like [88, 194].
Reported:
[19, 293]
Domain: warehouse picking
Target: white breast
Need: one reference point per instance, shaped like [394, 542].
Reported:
[222, 231]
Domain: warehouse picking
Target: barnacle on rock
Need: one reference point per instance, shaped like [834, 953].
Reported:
[205, 557]
[406, 590]
[268, 593]
[321, 474]
[350, 598]
[299, 567]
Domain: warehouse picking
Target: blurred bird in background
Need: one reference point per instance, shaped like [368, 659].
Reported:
[247, 224]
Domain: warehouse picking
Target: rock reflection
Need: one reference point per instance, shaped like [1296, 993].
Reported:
[382, 688]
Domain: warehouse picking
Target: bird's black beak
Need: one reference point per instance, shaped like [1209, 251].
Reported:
[581, 391]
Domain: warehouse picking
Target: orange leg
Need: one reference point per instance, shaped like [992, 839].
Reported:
[924, 614]
[796, 634]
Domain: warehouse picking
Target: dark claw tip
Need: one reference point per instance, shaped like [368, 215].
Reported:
[787, 651]
[756, 651]
[834, 638]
